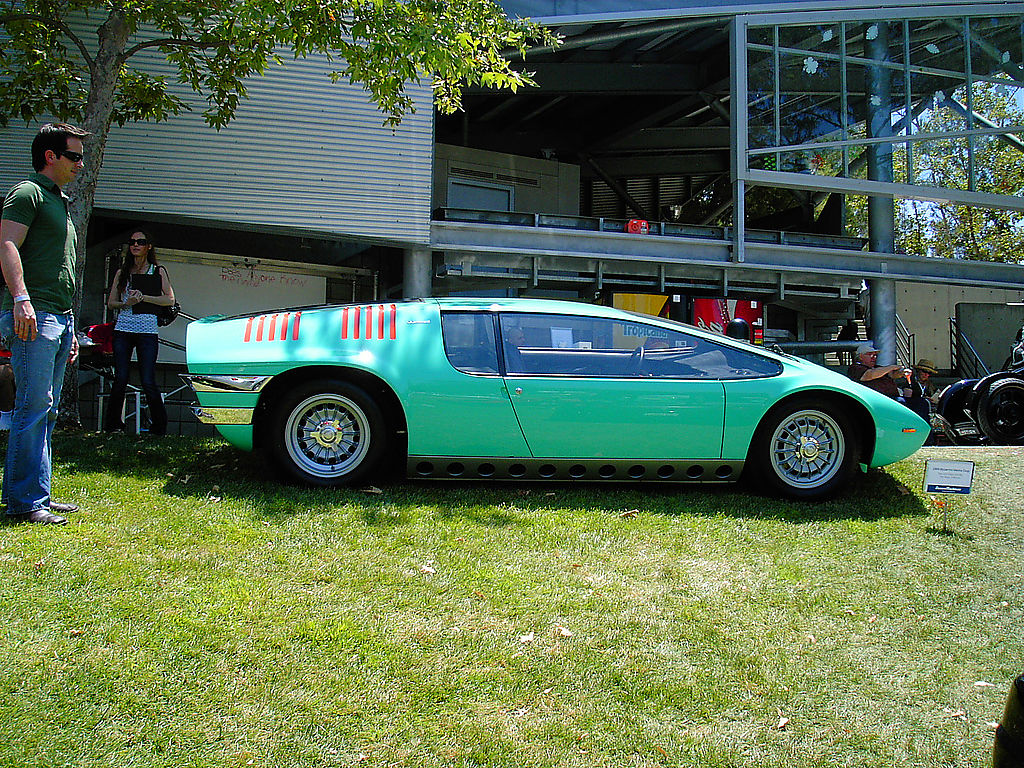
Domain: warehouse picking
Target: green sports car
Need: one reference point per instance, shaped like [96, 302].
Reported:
[525, 389]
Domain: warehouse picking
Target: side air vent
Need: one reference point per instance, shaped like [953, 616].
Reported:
[470, 173]
[523, 181]
[438, 467]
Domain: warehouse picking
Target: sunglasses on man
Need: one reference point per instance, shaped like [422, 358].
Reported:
[74, 157]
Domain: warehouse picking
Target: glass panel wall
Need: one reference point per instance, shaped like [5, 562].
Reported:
[940, 94]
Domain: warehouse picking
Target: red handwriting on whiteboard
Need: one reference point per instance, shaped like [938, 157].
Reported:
[254, 279]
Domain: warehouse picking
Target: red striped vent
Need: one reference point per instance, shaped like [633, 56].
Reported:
[272, 327]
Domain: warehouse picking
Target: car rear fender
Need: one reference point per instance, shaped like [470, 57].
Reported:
[983, 385]
[374, 386]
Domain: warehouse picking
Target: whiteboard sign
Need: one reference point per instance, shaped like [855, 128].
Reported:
[941, 476]
[210, 287]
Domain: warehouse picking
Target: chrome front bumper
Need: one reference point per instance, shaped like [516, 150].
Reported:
[216, 383]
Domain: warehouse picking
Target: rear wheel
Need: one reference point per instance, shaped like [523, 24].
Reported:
[1000, 411]
[327, 432]
[805, 450]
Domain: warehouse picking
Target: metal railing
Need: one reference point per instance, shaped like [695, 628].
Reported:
[906, 344]
[966, 361]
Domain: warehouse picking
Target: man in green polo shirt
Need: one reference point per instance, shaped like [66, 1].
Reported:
[37, 253]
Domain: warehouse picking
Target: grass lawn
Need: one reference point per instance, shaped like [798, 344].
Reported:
[195, 613]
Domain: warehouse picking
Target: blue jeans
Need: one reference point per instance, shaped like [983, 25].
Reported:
[39, 374]
[146, 346]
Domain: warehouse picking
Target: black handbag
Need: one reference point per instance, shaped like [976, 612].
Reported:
[167, 315]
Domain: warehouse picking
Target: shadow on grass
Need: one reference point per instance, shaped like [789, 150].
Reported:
[198, 468]
[945, 532]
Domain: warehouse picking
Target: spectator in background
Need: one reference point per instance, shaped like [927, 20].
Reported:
[921, 381]
[924, 394]
[137, 330]
[848, 332]
[891, 380]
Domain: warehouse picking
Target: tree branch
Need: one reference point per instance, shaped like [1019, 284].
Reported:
[5, 19]
[180, 42]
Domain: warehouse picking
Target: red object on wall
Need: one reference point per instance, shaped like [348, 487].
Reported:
[715, 314]
[638, 226]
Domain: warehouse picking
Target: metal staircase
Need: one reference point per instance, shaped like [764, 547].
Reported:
[967, 363]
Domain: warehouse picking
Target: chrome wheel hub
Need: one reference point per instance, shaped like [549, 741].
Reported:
[327, 435]
[807, 448]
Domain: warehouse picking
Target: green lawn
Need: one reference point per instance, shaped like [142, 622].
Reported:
[195, 613]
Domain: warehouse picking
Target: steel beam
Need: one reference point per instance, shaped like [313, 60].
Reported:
[497, 243]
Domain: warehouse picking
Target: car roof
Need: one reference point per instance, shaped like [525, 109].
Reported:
[551, 306]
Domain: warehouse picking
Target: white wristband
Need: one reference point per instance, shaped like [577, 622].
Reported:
[23, 297]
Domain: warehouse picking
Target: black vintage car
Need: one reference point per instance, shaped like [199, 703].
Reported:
[986, 410]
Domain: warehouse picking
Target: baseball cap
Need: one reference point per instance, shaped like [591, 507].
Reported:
[864, 348]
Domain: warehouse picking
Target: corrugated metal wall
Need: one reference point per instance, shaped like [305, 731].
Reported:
[302, 152]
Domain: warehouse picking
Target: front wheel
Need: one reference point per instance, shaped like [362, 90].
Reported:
[805, 450]
[327, 432]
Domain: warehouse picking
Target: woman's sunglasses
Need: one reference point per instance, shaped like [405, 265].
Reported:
[138, 241]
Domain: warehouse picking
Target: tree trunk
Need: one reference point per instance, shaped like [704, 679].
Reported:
[104, 75]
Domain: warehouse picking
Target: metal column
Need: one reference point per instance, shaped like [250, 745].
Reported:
[881, 211]
[418, 272]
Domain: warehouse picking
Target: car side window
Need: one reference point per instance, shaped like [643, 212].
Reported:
[693, 357]
[469, 342]
[565, 345]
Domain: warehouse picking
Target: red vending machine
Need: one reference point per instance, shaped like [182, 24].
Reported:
[715, 314]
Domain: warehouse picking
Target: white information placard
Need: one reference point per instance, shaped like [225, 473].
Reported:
[943, 476]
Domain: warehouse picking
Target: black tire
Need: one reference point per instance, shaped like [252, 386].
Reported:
[804, 449]
[326, 432]
[1000, 411]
